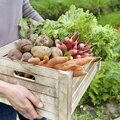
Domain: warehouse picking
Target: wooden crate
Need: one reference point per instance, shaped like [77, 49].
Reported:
[59, 91]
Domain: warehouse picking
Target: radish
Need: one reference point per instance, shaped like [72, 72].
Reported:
[89, 51]
[74, 37]
[75, 47]
[87, 47]
[76, 56]
[81, 46]
[69, 43]
[73, 52]
[62, 47]
[85, 55]
[80, 52]
[57, 41]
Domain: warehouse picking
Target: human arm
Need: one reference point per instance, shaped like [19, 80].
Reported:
[29, 12]
[21, 99]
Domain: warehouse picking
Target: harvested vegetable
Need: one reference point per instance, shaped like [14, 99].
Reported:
[61, 45]
[44, 61]
[24, 45]
[44, 41]
[80, 61]
[14, 54]
[56, 60]
[41, 51]
[34, 60]
[56, 52]
[77, 73]
[26, 56]
[68, 67]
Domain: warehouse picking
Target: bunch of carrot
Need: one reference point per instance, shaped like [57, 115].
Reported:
[63, 63]
[76, 65]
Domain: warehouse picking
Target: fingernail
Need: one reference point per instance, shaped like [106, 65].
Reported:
[40, 105]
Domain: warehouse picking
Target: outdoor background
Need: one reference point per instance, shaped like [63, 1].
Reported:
[102, 99]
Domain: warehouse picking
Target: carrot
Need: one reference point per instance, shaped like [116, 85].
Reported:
[34, 60]
[68, 67]
[77, 73]
[44, 61]
[81, 61]
[56, 60]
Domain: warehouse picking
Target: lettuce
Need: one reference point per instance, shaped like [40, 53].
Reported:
[104, 39]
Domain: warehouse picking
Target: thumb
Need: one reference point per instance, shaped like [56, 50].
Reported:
[35, 100]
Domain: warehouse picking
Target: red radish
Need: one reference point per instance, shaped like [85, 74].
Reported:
[74, 43]
[69, 43]
[57, 41]
[80, 52]
[89, 51]
[81, 46]
[75, 47]
[58, 45]
[86, 47]
[76, 56]
[84, 55]
[62, 47]
[74, 37]
[73, 52]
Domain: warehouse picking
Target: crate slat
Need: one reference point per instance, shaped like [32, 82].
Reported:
[46, 98]
[29, 68]
[65, 84]
[77, 95]
[53, 83]
[31, 86]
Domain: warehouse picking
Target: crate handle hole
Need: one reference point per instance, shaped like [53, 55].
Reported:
[24, 76]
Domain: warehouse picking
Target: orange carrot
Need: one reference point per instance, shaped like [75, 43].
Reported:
[80, 61]
[67, 67]
[34, 60]
[44, 61]
[56, 60]
[77, 73]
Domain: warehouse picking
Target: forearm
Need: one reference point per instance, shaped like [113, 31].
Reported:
[29, 12]
[4, 87]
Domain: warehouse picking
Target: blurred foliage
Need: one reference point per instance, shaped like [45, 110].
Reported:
[106, 84]
[112, 18]
[52, 9]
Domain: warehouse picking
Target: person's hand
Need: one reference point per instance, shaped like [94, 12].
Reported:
[24, 101]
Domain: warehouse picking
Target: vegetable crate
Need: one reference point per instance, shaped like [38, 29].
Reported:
[59, 91]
